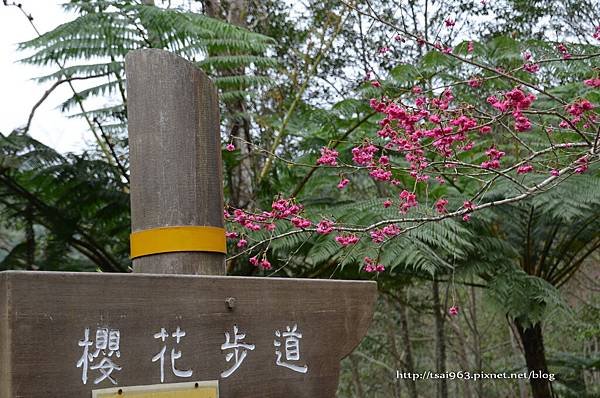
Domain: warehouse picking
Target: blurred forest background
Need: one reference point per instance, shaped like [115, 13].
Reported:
[291, 76]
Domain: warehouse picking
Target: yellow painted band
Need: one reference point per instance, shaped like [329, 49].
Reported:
[178, 239]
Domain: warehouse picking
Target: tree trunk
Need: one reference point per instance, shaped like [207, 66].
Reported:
[242, 175]
[515, 347]
[476, 341]
[533, 347]
[360, 393]
[440, 341]
[410, 365]
[30, 239]
[391, 336]
[462, 357]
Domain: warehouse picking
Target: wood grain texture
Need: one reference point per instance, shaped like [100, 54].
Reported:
[175, 155]
[5, 359]
[49, 312]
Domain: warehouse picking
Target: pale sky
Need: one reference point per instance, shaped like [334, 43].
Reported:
[19, 93]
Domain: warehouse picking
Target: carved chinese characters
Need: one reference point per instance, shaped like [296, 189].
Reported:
[99, 355]
[106, 345]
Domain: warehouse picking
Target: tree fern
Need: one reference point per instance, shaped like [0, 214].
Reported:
[77, 204]
[94, 45]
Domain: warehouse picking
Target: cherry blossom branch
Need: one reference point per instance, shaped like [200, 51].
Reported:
[420, 132]
[415, 37]
[531, 191]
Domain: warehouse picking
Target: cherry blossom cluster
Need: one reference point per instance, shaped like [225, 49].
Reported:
[469, 206]
[370, 265]
[280, 209]
[363, 155]
[524, 169]
[582, 164]
[595, 82]
[440, 206]
[325, 227]
[516, 101]
[300, 222]
[379, 235]
[347, 239]
[343, 182]
[453, 311]
[246, 220]
[408, 200]
[284, 208]
[577, 109]
[529, 65]
[494, 156]
[328, 157]
[262, 263]
[562, 49]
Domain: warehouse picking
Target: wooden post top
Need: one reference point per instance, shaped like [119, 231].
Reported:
[176, 170]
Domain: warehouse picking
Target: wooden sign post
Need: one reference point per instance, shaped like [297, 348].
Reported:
[150, 334]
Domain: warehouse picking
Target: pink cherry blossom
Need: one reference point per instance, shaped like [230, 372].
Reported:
[524, 169]
[269, 227]
[531, 67]
[485, 129]
[408, 200]
[370, 266]
[381, 174]
[324, 227]
[343, 182]
[283, 208]
[440, 206]
[265, 264]
[582, 164]
[300, 222]
[391, 230]
[595, 82]
[377, 236]
[563, 50]
[347, 240]
[474, 82]
[328, 157]
[363, 155]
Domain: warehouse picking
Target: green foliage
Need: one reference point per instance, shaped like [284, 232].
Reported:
[67, 212]
[521, 296]
[93, 46]
[79, 205]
